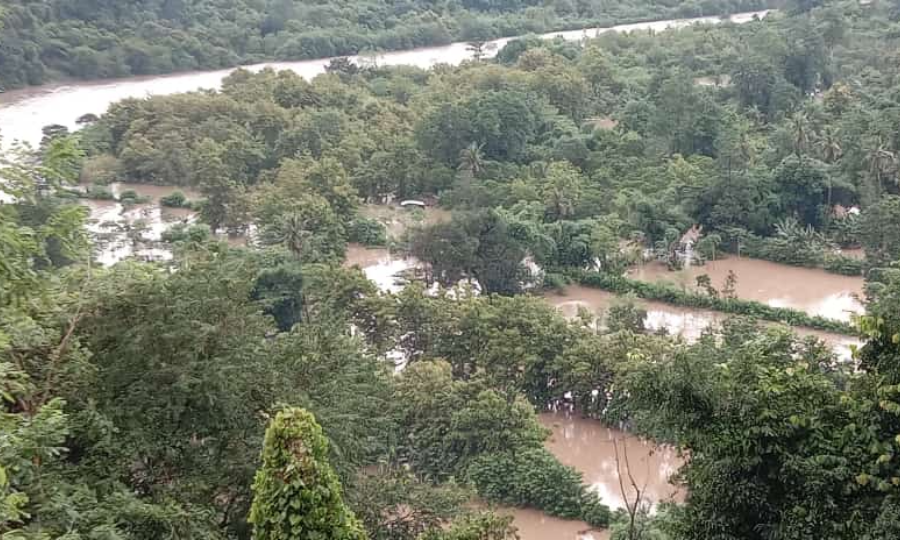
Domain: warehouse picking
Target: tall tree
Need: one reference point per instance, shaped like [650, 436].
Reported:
[297, 495]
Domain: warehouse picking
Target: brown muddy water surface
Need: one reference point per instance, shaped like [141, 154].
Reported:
[107, 218]
[590, 447]
[814, 291]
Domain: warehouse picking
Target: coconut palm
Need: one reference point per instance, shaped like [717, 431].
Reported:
[830, 146]
[293, 233]
[882, 162]
[471, 159]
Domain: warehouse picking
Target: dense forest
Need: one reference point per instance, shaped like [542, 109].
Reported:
[43, 41]
[270, 391]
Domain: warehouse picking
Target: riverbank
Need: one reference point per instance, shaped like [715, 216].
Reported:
[493, 27]
[24, 112]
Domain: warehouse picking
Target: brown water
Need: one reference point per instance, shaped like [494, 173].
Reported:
[24, 112]
[108, 218]
[536, 525]
[686, 322]
[590, 447]
[807, 289]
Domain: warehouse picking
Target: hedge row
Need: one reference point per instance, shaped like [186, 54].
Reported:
[535, 478]
[671, 294]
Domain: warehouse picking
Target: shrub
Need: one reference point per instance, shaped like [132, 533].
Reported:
[296, 493]
[186, 233]
[101, 169]
[130, 196]
[368, 232]
[100, 193]
[841, 264]
[535, 478]
[176, 199]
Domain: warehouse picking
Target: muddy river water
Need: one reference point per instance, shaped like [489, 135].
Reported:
[24, 112]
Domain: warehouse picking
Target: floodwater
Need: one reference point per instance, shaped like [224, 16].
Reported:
[109, 220]
[24, 112]
[382, 268]
[386, 271]
[590, 447]
[814, 291]
[683, 321]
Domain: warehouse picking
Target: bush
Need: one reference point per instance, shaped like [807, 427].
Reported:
[101, 169]
[176, 199]
[130, 196]
[670, 294]
[368, 232]
[99, 193]
[186, 233]
[841, 264]
[535, 478]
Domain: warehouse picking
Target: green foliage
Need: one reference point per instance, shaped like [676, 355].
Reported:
[458, 428]
[297, 494]
[280, 291]
[534, 478]
[626, 315]
[880, 232]
[395, 505]
[481, 526]
[847, 266]
[100, 193]
[176, 199]
[181, 232]
[366, 231]
[98, 41]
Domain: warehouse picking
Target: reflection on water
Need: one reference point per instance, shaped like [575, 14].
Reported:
[590, 447]
[380, 266]
[814, 291]
[24, 112]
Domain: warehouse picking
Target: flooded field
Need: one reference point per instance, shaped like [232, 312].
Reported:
[814, 291]
[115, 226]
[686, 322]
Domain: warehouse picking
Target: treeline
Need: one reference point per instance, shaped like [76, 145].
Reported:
[575, 149]
[44, 41]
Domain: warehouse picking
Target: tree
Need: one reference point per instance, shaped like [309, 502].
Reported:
[296, 494]
[882, 163]
[562, 189]
[476, 48]
[213, 178]
[879, 231]
[471, 160]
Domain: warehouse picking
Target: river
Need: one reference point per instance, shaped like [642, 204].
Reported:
[24, 112]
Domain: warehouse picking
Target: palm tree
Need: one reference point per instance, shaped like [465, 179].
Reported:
[830, 146]
[293, 233]
[800, 131]
[882, 161]
[471, 159]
